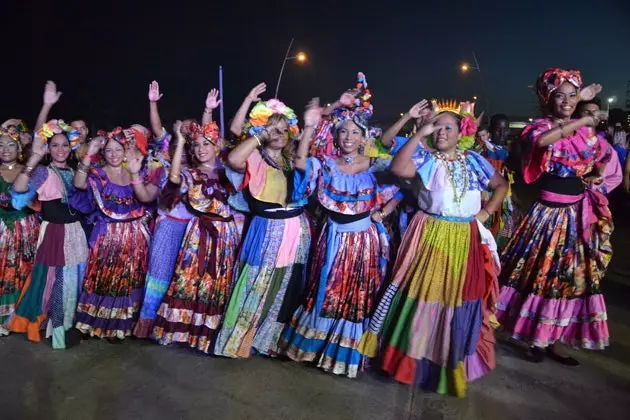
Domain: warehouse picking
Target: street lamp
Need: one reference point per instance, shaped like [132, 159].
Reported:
[474, 98]
[300, 57]
[610, 101]
[466, 67]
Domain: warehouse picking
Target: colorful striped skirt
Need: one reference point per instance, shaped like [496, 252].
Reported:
[551, 277]
[269, 286]
[193, 307]
[346, 277]
[49, 300]
[18, 242]
[114, 280]
[433, 321]
[165, 245]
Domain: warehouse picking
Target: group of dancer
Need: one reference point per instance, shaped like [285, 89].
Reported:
[277, 240]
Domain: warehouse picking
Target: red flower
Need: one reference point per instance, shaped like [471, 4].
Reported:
[468, 127]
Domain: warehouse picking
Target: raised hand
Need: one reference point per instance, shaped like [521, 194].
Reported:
[429, 127]
[254, 94]
[154, 92]
[347, 98]
[313, 113]
[211, 99]
[590, 92]
[96, 145]
[134, 160]
[51, 96]
[421, 109]
[39, 147]
[177, 129]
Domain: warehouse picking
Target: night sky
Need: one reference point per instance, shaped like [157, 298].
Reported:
[103, 56]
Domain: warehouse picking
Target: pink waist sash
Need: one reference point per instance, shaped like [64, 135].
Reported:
[593, 203]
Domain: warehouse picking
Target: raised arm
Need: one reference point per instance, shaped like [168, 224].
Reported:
[563, 130]
[176, 164]
[145, 193]
[81, 174]
[419, 110]
[212, 103]
[345, 100]
[402, 165]
[239, 119]
[312, 116]
[154, 115]
[51, 96]
[237, 159]
[38, 150]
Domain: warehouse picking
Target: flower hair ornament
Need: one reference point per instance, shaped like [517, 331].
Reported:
[469, 123]
[260, 113]
[209, 131]
[52, 127]
[359, 113]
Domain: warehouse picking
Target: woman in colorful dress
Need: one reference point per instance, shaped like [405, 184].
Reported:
[347, 272]
[193, 307]
[433, 321]
[19, 229]
[62, 250]
[496, 150]
[271, 270]
[552, 268]
[172, 220]
[115, 198]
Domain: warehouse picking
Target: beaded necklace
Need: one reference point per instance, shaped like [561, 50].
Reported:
[453, 175]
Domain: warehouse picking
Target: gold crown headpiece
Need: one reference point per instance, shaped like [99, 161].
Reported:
[459, 108]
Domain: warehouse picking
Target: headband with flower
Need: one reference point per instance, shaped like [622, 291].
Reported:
[551, 79]
[52, 127]
[260, 113]
[468, 124]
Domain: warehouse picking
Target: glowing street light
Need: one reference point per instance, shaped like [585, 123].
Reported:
[300, 57]
[609, 101]
[474, 98]
[465, 67]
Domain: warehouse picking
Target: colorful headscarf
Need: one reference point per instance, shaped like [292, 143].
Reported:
[551, 79]
[136, 133]
[52, 127]
[469, 123]
[359, 113]
[14, 128]
[210, 131]
[260, 113]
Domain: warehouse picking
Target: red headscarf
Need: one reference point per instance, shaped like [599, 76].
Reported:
[551, 79]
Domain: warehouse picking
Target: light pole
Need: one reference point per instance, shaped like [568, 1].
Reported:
[300, 57]
[610, 101]
[465, 67]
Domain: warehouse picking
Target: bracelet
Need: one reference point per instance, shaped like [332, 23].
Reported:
[486, 210]
[136, 182]
[81, 171]
[257, 139]
[83, 166]
[207, 111]
[27, 171]
[383, 215]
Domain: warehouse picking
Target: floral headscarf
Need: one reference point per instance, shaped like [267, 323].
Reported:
[551, 79]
